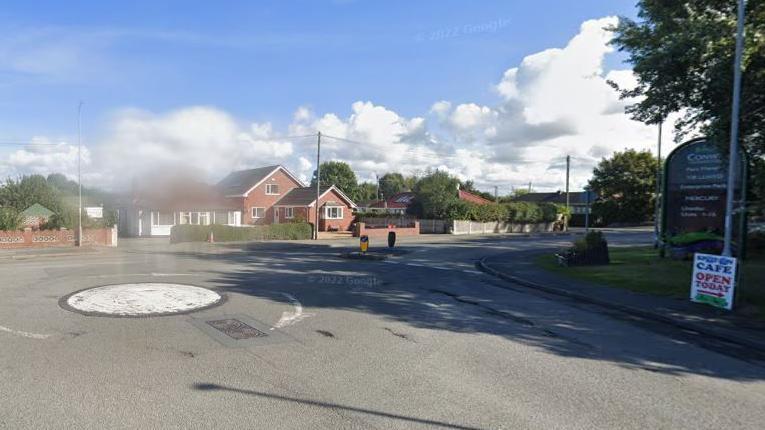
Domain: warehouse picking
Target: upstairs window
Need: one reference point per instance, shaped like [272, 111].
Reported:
[272, 189]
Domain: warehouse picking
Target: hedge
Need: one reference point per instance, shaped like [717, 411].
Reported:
[225, 233]
[515, 212]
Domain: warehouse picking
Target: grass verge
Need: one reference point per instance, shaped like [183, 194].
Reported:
[640, 269]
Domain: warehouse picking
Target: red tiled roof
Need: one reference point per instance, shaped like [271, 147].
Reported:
[396, 201]
[470, 197]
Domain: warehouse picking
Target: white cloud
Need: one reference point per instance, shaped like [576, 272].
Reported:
[553, 103]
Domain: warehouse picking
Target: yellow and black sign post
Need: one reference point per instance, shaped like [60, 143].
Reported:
[364, 243]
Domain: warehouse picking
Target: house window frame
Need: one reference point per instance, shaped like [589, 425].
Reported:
[269, 192]
[289, 212]
[338, 209]
[254, 212]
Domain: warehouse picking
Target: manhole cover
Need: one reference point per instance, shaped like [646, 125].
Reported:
[236, 329]
[140, 300]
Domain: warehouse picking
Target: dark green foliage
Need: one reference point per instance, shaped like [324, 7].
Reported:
[224, 233]
[436, 195]
[591, 249]
[28, 190]
[366, 191]
[9, 219]
[393, 183]
[626, 187]
[339, 174]
[682, 53]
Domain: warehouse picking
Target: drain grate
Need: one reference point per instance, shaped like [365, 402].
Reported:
[236, 329]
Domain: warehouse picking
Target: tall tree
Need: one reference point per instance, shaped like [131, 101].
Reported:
[682, 54]
[339, 174]
[436, 193]
[366, 191]
[625, 185]
[392, 183]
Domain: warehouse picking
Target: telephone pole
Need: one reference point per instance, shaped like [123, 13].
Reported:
[656, 233]
[568, 168]
[79, 173]
[496, 194]
[318, 185]
[733, 153]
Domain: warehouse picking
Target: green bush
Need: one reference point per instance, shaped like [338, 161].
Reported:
[225, 233]
[692, 237]
[524, 212]
[550, 211]
[10, 219]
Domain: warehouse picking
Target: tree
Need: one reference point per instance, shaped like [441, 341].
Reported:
[436, 193]
[626, 187]
[366, 191]
[339, 174]
[28, 190]
[9, 219]
[392, 183]
[682, 54]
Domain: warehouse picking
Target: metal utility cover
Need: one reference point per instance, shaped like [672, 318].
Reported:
[239, 330]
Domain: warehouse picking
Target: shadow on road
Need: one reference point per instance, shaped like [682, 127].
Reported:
[334, 406]
[449, 300]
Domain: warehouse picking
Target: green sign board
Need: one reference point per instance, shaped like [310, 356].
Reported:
[695, 189]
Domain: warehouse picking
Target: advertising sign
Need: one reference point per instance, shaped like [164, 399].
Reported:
[94, 212]
[695, 188]
[714, 280]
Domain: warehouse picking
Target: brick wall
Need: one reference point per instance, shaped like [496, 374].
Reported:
[56, 238]
[259, 198]
[362, 230]
[343, 224]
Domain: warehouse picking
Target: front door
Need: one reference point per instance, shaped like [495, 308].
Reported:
[276, 215]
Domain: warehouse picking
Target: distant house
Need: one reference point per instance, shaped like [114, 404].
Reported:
[396, 204]
[153, 211]
[472, 198]
[273, 195]
[35, 216]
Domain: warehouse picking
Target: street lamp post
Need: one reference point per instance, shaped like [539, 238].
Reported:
[733, 153]
[657, 216]
[79, 174]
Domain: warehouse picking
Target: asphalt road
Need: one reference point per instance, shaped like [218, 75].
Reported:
[422, 340]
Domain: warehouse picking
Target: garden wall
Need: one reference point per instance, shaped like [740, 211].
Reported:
[29, 238]
[363, 230]
[474, 227]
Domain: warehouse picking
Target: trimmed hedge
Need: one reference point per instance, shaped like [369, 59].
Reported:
[225, 233]
[515, 212]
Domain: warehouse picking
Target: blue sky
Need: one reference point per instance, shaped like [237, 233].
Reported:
[262, 59]
[259, 61]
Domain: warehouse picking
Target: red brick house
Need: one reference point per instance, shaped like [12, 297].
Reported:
[273, 195]
[473, 198]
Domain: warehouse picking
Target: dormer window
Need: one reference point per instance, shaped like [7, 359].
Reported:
[272, 189]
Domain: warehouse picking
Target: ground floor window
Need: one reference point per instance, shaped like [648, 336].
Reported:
[159, 218]
[258, 212]
[289, 213]
[194, 218]
[333, 212]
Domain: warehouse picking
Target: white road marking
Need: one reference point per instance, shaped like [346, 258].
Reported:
[24, 333]
[472, 272]
[116, 275]
[142, 299]
[290, 318]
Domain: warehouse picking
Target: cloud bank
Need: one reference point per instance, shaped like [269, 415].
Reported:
[554, 103]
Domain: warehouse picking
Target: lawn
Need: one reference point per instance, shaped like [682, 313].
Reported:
[641, 269]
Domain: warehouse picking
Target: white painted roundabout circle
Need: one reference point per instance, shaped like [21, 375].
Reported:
[141, 299]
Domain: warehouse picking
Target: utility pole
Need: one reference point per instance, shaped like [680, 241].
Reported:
[733, 153]
[568, 168]
[496, 194]
[377, 193]
[587, 210]
[79, 173]
[529, 186]
[657, 241]
[318, 184]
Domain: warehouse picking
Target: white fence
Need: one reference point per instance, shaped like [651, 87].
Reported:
[434, 226]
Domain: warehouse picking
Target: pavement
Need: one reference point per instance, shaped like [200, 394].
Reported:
[743, 332]
[421, 340]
